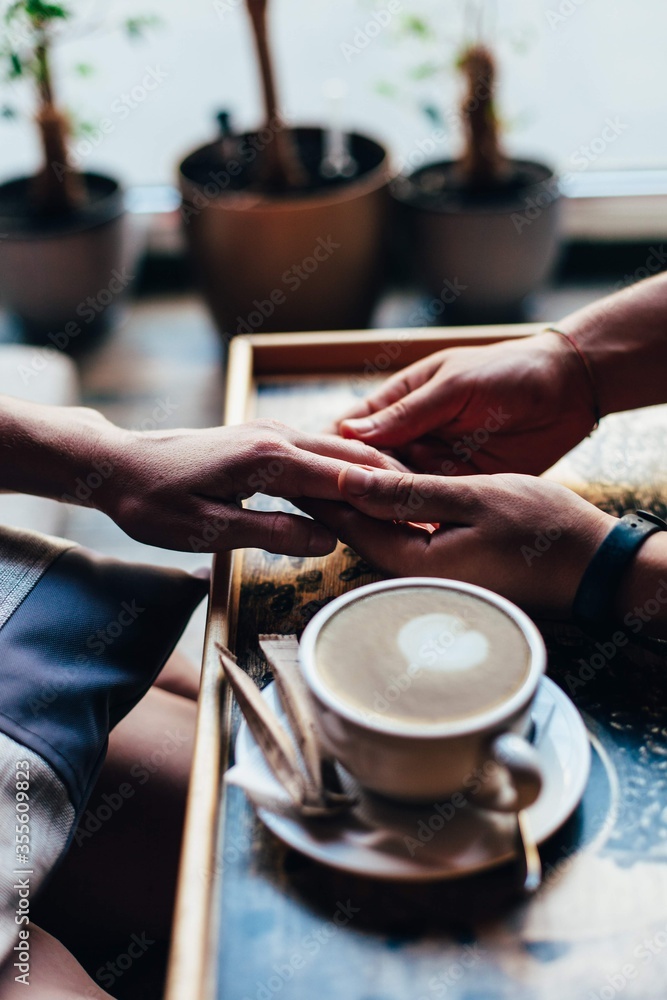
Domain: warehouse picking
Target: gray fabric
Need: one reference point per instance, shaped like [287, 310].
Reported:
[24, 558]
[51, 821]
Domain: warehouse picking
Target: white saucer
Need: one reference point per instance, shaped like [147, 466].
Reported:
[382, 839]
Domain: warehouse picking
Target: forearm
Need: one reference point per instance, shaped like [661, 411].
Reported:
[624, 338]
[56, 452]
[642, 598]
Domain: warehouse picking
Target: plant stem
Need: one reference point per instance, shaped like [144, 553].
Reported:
[483, 163]
[282, 165]
[57, 188]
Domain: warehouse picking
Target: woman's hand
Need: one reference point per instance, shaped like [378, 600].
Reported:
[525, 538]
[184, 489]
[516, 406]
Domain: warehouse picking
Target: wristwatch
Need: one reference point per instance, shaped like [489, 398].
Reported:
[594, 600]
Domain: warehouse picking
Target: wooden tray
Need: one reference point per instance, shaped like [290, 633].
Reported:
[245, 902]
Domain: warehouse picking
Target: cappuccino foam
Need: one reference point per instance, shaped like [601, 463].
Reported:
[421, 655]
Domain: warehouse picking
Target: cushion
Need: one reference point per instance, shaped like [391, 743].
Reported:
[82, 638]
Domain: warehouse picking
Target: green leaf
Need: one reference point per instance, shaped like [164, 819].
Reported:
[84, 69]
[16, 65]
[416, 26]
[423, 71]
[136, 27]
[386, 89]
[41, 11]
[81, 129]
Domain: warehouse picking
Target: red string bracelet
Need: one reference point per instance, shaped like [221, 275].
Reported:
[587, 368]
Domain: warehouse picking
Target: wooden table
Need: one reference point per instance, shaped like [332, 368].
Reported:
[256, 920]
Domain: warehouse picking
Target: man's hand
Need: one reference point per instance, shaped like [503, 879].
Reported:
[184, 489]
[516, 406]
[525, 538]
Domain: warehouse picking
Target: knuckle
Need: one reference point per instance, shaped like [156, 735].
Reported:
[269, 424]
[399, 411]
[274, 536]
[368, 455]
[271, 439]
[403, 494]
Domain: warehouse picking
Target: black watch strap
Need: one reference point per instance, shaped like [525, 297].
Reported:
[594, 600]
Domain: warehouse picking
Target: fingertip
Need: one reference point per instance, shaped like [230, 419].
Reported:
[355, 481]
[322, 541]
[358, 428]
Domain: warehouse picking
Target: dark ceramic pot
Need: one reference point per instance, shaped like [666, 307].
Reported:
[481, 253]
[62, 276]
[311, 260]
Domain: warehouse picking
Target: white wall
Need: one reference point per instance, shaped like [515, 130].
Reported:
[586, 61]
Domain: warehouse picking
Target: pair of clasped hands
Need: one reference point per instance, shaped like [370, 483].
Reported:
[490, 418]
[457, 440]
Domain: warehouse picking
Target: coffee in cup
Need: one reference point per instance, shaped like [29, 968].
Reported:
[421, 656]
[419, 682]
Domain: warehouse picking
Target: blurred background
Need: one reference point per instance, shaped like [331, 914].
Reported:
[565, 66]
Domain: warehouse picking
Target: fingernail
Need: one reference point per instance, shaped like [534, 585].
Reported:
[363, 426]
[321, 541]
[357, 481]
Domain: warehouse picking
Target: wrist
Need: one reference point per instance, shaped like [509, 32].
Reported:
[584, 376]
[641, 601]
[55, 450]
[622, 337]
[98, 461]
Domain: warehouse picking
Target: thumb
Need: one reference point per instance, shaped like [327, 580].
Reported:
[402, 421]
[400, 496]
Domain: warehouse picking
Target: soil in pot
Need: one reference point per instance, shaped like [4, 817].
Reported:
[482, 250]
[62, 274]
[267, 259]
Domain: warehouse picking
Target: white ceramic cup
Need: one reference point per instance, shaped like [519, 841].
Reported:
[486, 757]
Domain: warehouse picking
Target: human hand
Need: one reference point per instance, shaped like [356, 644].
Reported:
[525, 538]
[183, 489]
[516, 406]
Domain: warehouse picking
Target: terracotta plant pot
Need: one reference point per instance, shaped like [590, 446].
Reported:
[61, 276]
[308, 260]
[479, 253]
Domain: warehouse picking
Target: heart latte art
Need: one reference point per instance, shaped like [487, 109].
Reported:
[421, 655]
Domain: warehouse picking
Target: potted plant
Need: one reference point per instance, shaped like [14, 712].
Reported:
[485, 221]
[285, 224]
[62, 247]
